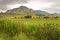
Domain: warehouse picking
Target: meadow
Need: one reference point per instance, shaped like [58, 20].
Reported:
[30, 29]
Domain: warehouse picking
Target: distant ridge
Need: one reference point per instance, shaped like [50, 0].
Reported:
[39, 12]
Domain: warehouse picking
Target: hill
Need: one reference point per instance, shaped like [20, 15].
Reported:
[25, 10]
[22, 10]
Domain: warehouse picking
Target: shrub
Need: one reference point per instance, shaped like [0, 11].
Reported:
[28, 17]
[46, 17]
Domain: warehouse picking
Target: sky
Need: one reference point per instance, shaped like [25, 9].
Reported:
[51, 6]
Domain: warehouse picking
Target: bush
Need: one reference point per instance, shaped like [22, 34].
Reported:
[28, 17]
[46, 17]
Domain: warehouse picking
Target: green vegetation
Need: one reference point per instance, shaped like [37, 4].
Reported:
[29, 29]
[23, 23]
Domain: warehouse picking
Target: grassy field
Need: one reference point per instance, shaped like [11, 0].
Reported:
[29, 29]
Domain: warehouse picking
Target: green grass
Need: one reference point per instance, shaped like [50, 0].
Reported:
[29, 29]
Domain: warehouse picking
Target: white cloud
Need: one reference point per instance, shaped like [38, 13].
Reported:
[48, 5]
[38, 5]
[13, 6]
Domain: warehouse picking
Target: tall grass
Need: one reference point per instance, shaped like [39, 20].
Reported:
[19, 30]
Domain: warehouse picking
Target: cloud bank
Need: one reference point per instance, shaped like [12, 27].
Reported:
[47, 5]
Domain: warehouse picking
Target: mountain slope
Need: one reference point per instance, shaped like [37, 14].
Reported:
[25, 10]
[22, 10]
[39, 12]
